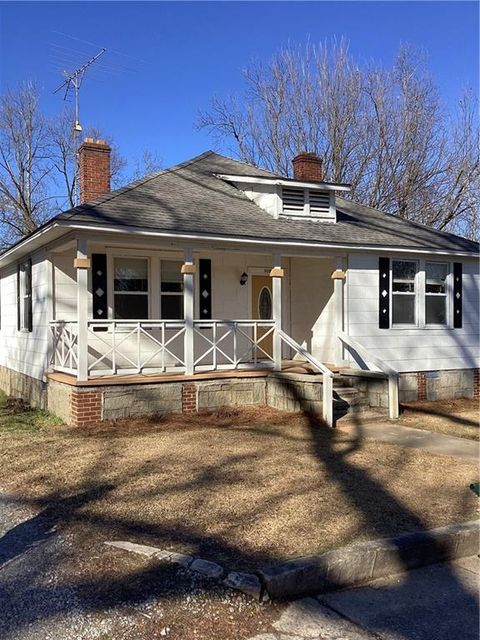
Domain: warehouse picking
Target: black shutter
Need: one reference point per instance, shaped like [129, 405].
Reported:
[29, 289]
[99, 288]
[205, 288]
[18, 298]
[457, 295]
[384, 293]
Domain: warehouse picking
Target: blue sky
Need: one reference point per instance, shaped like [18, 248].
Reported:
[165, 60]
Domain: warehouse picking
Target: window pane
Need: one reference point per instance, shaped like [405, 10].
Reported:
[171, 275]
[172, 307]
[403, 311]
[131, 274]
[265, 304]
[403, 276]
[435, 277]
[436, 310]
[172, 287]
[131, 306]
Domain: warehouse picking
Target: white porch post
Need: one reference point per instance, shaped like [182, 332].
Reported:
[82, 264]
[338, 277]
[188, 270]
[277, 274]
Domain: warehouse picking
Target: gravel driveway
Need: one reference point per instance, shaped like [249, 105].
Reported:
[53, 587]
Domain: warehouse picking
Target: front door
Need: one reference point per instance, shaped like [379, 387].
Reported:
[262, 310]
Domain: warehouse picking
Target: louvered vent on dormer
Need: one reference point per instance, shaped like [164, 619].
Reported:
[293, 200]
[319, 203]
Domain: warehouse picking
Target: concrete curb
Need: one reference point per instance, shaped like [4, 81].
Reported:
[361, 563]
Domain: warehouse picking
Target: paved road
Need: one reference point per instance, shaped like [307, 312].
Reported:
[439, 602]
[419, 439]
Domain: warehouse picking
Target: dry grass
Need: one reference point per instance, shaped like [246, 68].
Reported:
[241, 486]
[459, 418]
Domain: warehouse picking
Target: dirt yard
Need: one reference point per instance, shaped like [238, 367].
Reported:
[241, 487]
[458, 418]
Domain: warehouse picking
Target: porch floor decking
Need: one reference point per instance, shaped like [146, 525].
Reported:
[288, 366]
[293, 367]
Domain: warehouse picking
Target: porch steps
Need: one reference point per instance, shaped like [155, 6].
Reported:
[347, 401]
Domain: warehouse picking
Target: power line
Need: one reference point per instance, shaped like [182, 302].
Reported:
[119, 53]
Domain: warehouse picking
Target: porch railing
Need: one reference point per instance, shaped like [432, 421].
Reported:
[355, 347]
[65, 346]
[231, 343]
[149, 346]
[327, 375]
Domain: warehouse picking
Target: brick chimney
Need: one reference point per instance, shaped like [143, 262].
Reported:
[94, 169]
[307, 167]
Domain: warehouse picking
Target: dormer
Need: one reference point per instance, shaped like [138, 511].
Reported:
[305, 196]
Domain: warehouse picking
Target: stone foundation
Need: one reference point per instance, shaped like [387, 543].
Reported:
[448, 385]
[231, 393]
[84, 405]
[421, 385]
[290, 392]
[19, 385]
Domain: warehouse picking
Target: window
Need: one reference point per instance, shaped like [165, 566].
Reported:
[171, 290]
[24, 296]
[403, 291]
[130, 288]
[265, 304]
[436, 292]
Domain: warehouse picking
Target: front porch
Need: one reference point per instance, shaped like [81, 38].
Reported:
[101, 287]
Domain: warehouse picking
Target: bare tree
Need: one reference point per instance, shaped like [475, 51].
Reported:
[37, 163]
[24, 163]
[147, 163]
[383, 130]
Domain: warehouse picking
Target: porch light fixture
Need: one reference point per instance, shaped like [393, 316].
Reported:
[243, 278]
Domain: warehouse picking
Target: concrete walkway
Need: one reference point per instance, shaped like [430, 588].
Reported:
[418, 439]
[439, 602]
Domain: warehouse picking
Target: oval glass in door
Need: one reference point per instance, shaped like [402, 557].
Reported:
[265, 304]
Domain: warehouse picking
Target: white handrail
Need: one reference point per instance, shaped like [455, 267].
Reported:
[327, 380]
[352, 344]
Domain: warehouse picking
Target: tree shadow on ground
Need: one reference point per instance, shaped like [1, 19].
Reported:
[99, 593]
[467, 422]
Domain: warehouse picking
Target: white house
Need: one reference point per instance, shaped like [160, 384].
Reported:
[216, 282]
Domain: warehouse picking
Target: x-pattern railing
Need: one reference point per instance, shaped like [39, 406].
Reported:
[65, 344]
[129, 344]
[236, 341]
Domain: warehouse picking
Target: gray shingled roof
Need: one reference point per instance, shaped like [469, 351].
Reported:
[189, 198]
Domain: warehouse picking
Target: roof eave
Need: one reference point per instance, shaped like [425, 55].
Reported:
[58, 227]
[287, 182]
[247, 240]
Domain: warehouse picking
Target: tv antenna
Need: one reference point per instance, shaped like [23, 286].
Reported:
[74, 81]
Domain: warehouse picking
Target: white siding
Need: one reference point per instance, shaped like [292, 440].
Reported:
[411, 349]
[65, 279]
[26, 352]
[312, 305]
[266, 196]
